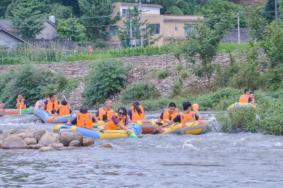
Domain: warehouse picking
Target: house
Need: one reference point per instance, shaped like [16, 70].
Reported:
[10, 39]
[165, 28]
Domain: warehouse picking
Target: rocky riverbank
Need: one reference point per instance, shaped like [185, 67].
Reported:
[42, 140]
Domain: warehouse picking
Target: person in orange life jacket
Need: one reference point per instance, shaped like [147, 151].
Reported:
[188, 114]
[119, 121]
[252, 97]
[105, 113]
[170, 114]
[51, 104]
[20, 103]
[83, 119]
[246, 97]
[64, 108]
[136, 113]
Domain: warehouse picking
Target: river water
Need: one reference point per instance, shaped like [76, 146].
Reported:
[214, 159]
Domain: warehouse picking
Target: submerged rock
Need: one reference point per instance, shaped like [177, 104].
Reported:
[107, 145]
[57, 145]
[46, 148]
[36, 146]
[75, 143]
[66, 137]
[88, 141]
[48, 138]
[14, 142]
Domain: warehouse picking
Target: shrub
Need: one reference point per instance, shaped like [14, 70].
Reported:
[140, 91]
[104, 80]
[162, 74]
[177, 88]
[30, 82]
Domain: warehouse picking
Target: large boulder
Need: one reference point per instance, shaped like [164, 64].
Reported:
[75, 143]
[68, 136]
[37, 134]
[48, 138]
[30, 141]
[107, 145]
[14, 142]
[88, 141]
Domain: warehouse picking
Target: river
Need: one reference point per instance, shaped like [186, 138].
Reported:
[214, 159]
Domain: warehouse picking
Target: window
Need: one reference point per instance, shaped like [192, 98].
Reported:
[154, 28]
[125, 12]
[113, 30]
[189, 28]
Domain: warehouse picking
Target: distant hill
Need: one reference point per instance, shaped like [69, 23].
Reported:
[250, 2]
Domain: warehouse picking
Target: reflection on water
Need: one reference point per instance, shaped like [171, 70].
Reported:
[209, 160]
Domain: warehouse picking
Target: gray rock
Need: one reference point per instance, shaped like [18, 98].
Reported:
[48, 138]
[14, 142]
[67, 136]
[75, 143]
[1, 131]
[88, 141]
[25, 134]
[36, 146]
[57, 145]
[30, 141]
[106, 145]
[46, 148]
[37, 134]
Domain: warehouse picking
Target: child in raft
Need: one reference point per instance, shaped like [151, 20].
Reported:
[83, 119]
[120, 122]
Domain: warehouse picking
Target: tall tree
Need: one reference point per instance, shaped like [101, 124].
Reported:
[27, 16]
[3, 6]
[96, 17]
[71, 29]
[269, 10]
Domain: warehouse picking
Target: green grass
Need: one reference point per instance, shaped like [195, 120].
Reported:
[230, 47]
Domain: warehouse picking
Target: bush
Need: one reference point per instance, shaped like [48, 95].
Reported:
[104, 80]
[30, 82]
[140, 91]
[162, 74]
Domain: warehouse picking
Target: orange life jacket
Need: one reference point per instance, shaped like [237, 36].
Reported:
[169, 117]
[105, 113]
[135, 115]
[52, 107]
[84, 120]
[186, 117]
[110, 125]
[20, 104]
[244, 98]
[64, 110]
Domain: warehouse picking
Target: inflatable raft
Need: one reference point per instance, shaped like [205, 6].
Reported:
[99, 133]
[49, 118]
[193, 127]
[239, 105]
[16, 111]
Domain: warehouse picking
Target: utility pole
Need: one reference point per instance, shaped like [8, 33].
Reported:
[131, 29]
[239, 30]
[140, 18]
[276, 10]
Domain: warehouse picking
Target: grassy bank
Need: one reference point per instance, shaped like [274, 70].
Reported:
[28, 55]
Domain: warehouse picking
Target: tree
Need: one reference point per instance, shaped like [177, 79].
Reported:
[71, 29]
[257, 23]
[269, 10]
[61, 11]
[3, 6]
[96, 17]
[203, 42]
[27, 16]
[273, 44]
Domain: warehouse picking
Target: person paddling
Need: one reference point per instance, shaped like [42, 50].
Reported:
[136, 113]
[20, 103]
[83, 119]
[188, 114]
[170, 114]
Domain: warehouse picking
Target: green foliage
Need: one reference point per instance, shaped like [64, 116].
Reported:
[140, 91]
[269, 12]
[162, 74]
[257, 23]
[177, 88]
[71, 29]
[105, 79]
[273, 44]
[27, 16]
[32, 83]
[60, 11]
[272, 79]
[95, 17]
[203, 42]
[3, 6]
